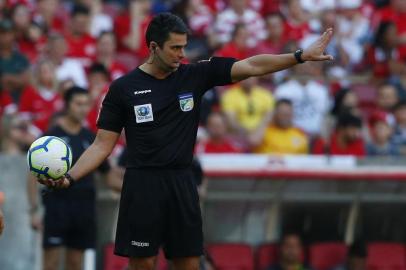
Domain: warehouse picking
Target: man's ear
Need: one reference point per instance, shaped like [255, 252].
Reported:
[153, 46]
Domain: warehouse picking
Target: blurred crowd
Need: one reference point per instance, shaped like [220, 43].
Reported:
[354, 105]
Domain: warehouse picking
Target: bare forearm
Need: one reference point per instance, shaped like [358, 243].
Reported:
[268, 63]
[91, 159]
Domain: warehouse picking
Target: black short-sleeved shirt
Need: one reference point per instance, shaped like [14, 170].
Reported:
[160, 116]
[79, 142]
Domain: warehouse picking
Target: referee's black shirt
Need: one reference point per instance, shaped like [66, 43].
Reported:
[161, 116]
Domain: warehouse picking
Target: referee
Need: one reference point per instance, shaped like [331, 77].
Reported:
[158, 106]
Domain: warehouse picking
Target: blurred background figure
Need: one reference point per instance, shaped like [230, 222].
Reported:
[381, 142]
[279, 136]
[346, 140]
[218, 140]
[99, 21]
[290, 254]
[356, 258]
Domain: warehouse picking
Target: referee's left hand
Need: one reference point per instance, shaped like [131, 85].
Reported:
[316, 51]
[62, 182]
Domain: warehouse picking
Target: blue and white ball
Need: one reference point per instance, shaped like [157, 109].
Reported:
[49, 157]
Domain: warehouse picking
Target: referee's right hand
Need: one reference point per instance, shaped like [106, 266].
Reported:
[62, 182]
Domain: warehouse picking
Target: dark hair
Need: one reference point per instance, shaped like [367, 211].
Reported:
[104, 33]
[79, 9]
[338, 101]
[348, 120]
[72, 92]
[237, 28]
[99, 68]
[161, 25]
[287, 234]
[283, 101]
[379, 40]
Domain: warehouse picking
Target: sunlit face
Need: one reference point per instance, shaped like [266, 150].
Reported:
[283, 116]
[170, 56]
[381, 131]
[216, 126]
[21, 17]
[387, 97]
[80, 24]
[79, 107]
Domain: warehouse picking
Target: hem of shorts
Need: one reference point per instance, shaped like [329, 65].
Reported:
[126, 255]
[195, 253]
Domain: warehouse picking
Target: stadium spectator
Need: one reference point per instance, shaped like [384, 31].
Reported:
[99, 79]
[297, 21]
[275, 40]
[352, 28]
[290, 254]
[17, 135]
[345, 100]
[399, 136]
[81, 45]
[381, 131]
[130, 28]
[47, 17]
[99, 21]
[356, 258]
[310, 98]
[246, 105]
[384, 55]
[7, 106]
[13, 65]
[318, 7]
[386, 99]
[280, 136]
[239, 12]
[346, 140]
[106, 48]
[39, 102]
[68, 70]
[29, 36]
[237, 47]
[218, 140]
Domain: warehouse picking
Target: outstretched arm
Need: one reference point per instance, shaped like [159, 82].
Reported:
[91, 159]
[259, 65]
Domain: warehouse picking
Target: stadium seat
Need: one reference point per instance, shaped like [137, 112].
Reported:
[232, 256]
[265, 256]
[386, 256]
[113, 262]
[324, 256]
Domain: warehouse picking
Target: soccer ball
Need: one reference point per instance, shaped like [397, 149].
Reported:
[49, 157]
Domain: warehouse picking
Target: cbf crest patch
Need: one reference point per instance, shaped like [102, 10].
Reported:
[186, 102]
[143, 113]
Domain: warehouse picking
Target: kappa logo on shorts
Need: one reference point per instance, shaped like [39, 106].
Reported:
[143, 113]
[186, 102]
[139, 244]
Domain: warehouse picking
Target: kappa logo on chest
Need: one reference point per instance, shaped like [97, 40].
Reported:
[143, 113]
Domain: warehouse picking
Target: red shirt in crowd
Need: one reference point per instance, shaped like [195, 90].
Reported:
[40, 106]
[94, 112]
[210, 147]
[117, 70]
[32, 49]
[83, 48]
[231, 50]
[6, 103]
[295, 32]
[122, 28]
[356, 148]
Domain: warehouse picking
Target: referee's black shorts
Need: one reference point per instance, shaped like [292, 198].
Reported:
[159, 208]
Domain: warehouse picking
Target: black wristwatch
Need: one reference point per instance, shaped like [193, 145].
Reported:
[70, 179]
[298, 55]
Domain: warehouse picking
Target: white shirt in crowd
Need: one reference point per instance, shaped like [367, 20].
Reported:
[227, 20]
[310, 103]
[72, 69]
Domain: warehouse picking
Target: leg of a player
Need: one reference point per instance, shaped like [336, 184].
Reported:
[187, 263]
[51, 258]
[74, 259]
[147, 263]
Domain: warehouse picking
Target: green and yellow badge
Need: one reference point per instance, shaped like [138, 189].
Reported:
[186, 102]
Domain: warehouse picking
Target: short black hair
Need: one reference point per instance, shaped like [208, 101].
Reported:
[283, 101]
[72, 92]
[162, 25]
[400, 105]
[348, 119]
[79, 9]
[99, 68]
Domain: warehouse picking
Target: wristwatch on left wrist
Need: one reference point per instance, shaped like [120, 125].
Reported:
[298, 55]
[70, 179]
